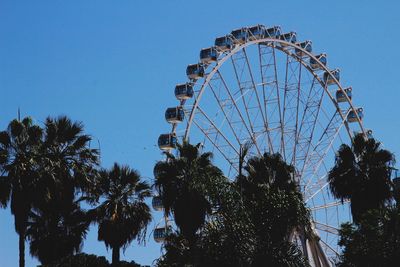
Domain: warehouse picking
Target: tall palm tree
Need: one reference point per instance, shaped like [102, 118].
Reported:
[188, 185]
[67, 170]
[362, 175]
[123, 215]
[19, 156]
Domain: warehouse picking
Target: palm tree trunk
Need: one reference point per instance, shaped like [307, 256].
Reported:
[22, 249]
[115, 256]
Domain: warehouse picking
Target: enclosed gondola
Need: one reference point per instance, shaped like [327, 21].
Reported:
[273, 32]
[161, 233]
[184, 91]
[224, 43]
[320, 58]
[352, 116]
[167, 141]
[328, 79]
[306, 45]
[290, 37]
[174, 115]
[208, 55]
[341, 96]
[257, 32]
[240, 36]
[195, 71]
[157, 203]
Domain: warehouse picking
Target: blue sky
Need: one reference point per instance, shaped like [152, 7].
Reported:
[114, 64]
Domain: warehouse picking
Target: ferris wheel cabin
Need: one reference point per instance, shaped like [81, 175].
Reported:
[174, 115]
[208, 55]
[314, 63]
[240, 36]
[306, 45]
[273, 32]
[184, 91]
[328, 79]
[161, 233]
[290, 37]
[157, 203]
[257, 32]
[195, 71]
[352, 116]
[167, 141]
[341, 96]
[224, 43]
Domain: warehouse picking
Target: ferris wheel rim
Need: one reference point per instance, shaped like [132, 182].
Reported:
[239, 47]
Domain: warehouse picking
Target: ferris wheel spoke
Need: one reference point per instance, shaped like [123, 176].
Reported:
[263, 84]
[297, 116]
[234, 103]
[255, 91]
[330, 248]
[277, 92]
[215, 144]
[308, 122]
[216, 128]
[326, 228]
[322, 147]
[242, 87]
[221, 105]
[282, 146]
[330, 205]
[292, 93]
[249, 128]
[320, 188]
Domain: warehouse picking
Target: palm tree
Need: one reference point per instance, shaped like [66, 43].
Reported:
[56, 233]
[362, 175]
[272, 171]
[188, 187]
[123, 215]
[67, 172]
[276, 208]
[69, 164]
[19, 146]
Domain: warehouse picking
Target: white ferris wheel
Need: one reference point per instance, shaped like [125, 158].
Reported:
[262, 85]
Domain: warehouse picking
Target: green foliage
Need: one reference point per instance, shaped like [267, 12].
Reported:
[188, 187]
[19, 158]
[123, 215]
[56, 233]
[251, 221]
[67, 173]
[87, 260]
[374, 241]
[362, 175]
[44, 170]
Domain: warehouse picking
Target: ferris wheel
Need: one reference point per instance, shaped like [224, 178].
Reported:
[262, 85]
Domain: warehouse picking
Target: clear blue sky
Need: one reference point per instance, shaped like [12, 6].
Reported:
[114, 64]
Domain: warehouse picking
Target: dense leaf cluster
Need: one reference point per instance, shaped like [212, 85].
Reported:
[362, 174]
[249, 221]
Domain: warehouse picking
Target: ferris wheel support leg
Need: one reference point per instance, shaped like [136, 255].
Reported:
[321, 255]
[303, 240]
[314, 254]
